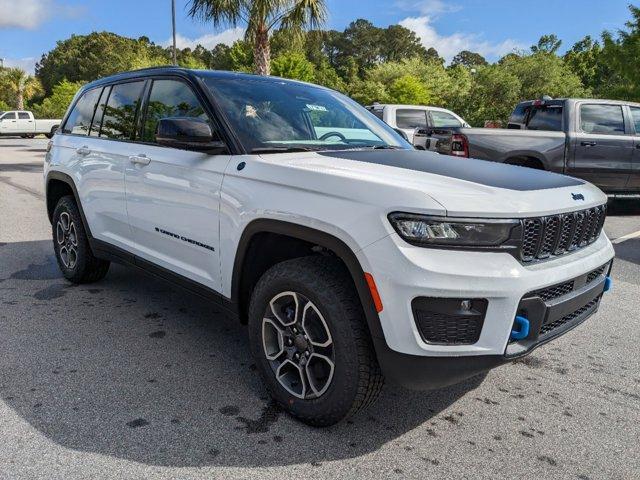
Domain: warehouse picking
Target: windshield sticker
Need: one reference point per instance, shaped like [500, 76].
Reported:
[317, 108]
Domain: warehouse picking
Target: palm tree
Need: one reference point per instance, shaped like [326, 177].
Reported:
[261, 17]
[21, 85]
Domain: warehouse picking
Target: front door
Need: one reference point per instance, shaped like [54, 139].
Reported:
[9, 124]
[173, 196]
[603, 146]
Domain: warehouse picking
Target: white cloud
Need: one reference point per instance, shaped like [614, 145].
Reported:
[31, 14]
[28, 64]
[209, 40]
[24, 13]
[428, 7]
[449, 45]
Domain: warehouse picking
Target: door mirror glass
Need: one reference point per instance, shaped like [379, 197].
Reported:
[188, 133]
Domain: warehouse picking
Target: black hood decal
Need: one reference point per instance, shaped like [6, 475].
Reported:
[491, 174]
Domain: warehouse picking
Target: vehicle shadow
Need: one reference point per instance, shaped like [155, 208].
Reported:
[135, 368]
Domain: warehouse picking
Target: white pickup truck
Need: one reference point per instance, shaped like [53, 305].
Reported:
[23, 124]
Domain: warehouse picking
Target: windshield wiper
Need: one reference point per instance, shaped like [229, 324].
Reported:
[282, 149]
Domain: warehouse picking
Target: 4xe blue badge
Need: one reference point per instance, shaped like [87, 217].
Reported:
[577, 196]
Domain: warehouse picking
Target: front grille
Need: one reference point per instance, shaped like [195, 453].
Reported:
[554, 235]
[596, 273]
[555, 291]
[548, 327]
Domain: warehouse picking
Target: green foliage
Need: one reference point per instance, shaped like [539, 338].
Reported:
[408, 89]
[547, 44]
[585, 60]
[293, 65]
[468, 59]
[493, 94]
[55, 105]
[17, 87]
[4, 106]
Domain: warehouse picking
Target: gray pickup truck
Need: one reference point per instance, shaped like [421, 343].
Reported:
[596, 140]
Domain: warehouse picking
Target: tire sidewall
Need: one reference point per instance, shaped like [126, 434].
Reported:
[336, 402]
[66, 204]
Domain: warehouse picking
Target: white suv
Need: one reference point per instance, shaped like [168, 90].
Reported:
[351, 256]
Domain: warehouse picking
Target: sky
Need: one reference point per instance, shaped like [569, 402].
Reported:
[29, 28]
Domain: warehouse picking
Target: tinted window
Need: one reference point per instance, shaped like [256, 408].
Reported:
[444, 119]
[546, 118]
[97, 117]
[23, 116]
[170, 98]
[120, 113]
[80, 117]
[519, 113]
[603, 119]
[378, 112]
[635, 115]
[411, 118]
[9, 116]
[275, 115]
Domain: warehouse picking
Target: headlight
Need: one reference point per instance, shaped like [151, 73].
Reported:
[445, 231]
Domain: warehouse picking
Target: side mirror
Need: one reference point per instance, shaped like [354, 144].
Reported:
[188, 133]
[402, 134]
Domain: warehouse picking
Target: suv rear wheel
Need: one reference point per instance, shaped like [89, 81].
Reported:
[75, 259]
[310, 341]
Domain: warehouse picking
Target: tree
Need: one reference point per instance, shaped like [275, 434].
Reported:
[21, 85]
[408, 90]
[585, 60]
[494, 93]
[261, 17]
[57, 103]
[547, 44]
[293, 65]
[84, 58]
[469, 59]
[399, 43]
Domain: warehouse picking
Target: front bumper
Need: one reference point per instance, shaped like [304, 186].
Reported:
[403, 272]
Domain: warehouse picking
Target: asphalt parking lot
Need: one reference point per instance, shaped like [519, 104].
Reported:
[134, 378]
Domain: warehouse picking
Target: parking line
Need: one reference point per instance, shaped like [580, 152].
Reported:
[626, 237]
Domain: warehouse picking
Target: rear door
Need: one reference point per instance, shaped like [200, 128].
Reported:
[173, 196]
[603, 146]
[633, 181]
[25, 123]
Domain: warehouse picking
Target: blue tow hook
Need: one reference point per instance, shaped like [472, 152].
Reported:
[522, 325]
[608, 284]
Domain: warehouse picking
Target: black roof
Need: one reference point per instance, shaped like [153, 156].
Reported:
[189, 73]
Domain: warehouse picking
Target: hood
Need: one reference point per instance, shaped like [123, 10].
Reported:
[470, 187]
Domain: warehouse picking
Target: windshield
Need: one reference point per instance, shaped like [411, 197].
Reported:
[272, 115]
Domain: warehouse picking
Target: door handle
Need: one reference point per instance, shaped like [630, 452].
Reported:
[588, 144]
[140, 159]
[84, 151]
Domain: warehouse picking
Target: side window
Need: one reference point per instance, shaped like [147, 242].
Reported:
[79, 120]
[97, 116]
[170, 98]
[546, 118]
[635, 116]
[9, 116]
[23, 116]
[602, 119]
[120, 113]
[406, 118]
[444, 119]
[378, 112]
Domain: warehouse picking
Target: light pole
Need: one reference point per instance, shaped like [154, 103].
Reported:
[173, 24]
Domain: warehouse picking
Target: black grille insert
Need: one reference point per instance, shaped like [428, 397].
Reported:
[555, 291]
[549, 327]
[555, 235]
[449, 321]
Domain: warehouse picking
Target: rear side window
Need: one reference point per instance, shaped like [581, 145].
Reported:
[444, 119]
[120, 113]
[519, 113]
[97, 117]
[406, 118]
[546, 118]
[79, 120]
[170, 98]
[23, 116]
[635, 116]
[602, 119]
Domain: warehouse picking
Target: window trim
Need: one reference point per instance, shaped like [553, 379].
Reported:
[622, 110]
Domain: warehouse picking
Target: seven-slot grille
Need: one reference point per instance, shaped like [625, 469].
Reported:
[554, 235]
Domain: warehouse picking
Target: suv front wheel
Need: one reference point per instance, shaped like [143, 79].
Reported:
[310, 340]
[73, 253]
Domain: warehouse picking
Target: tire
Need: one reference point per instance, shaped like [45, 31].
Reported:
[73, 253]
[326, 395]
[48, 135]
